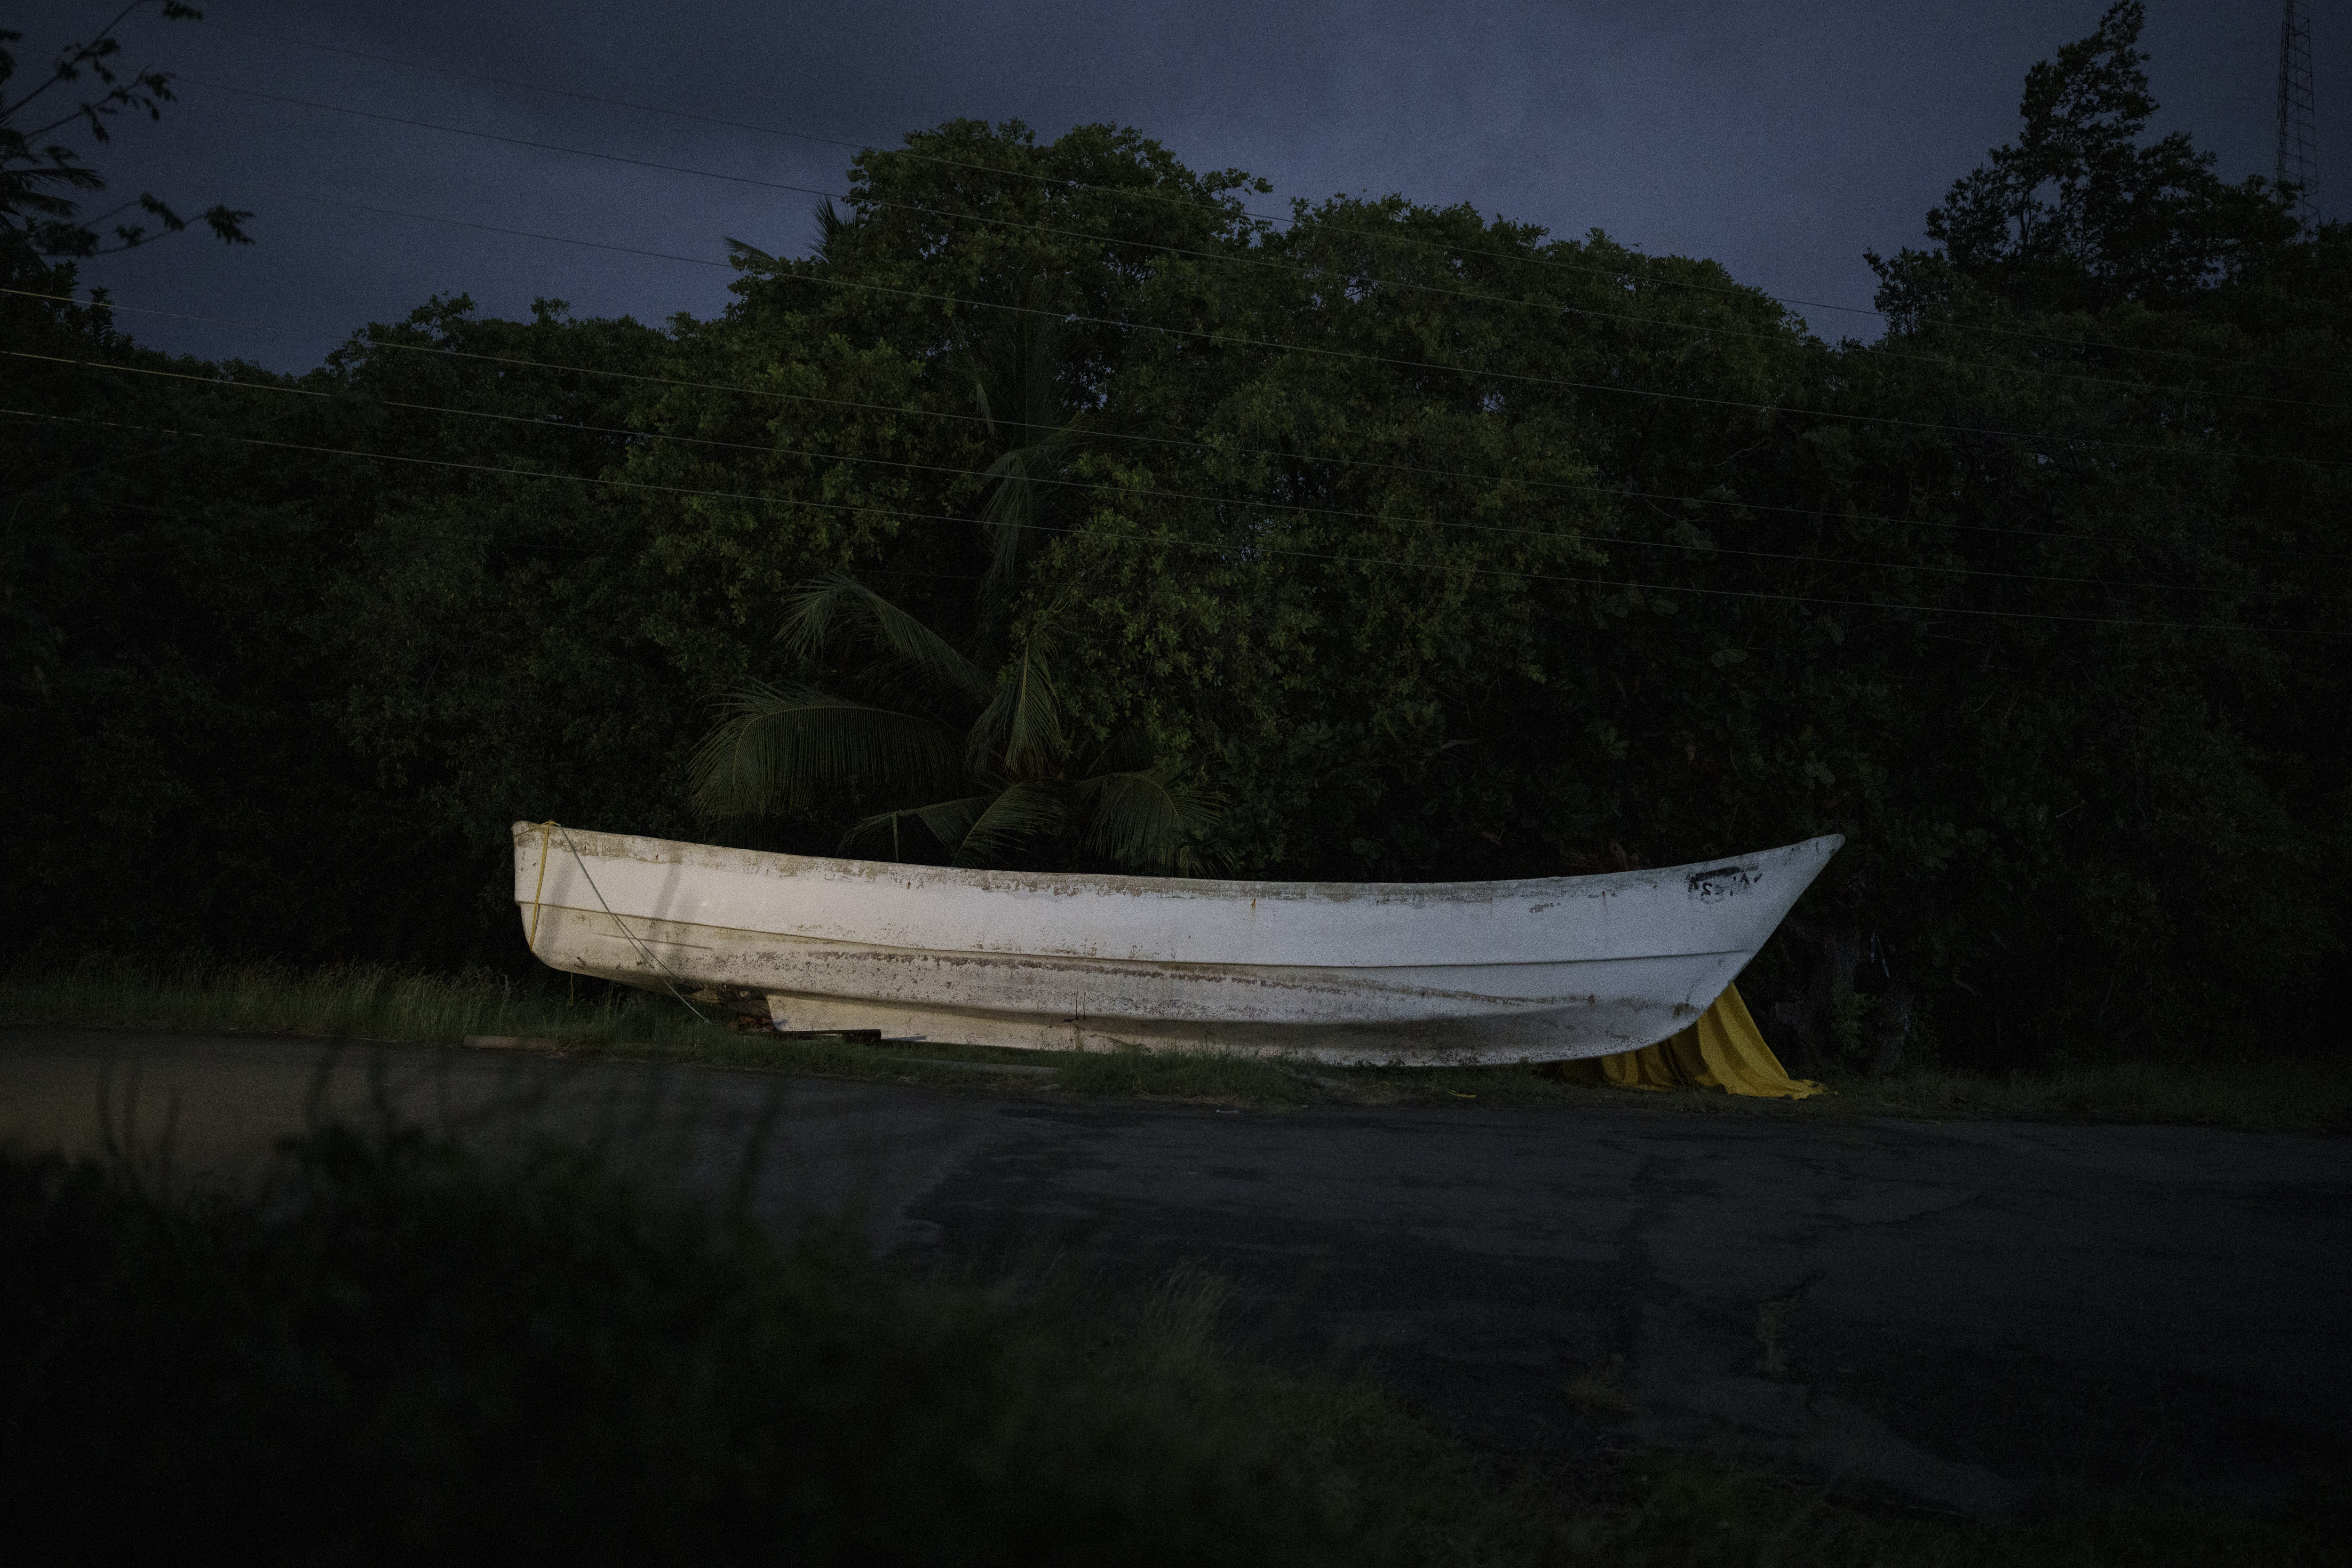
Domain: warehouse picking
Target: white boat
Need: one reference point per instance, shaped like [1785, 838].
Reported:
[1390, 972]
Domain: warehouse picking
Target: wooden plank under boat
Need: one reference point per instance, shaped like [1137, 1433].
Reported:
[1551, 969]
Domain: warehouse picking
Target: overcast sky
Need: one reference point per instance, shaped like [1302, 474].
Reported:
[1780, 139]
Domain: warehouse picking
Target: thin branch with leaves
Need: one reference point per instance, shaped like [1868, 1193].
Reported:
[41, 185]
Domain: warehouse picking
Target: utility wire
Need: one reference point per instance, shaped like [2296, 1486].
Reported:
[1224, 340]
[535, 544]
[1133, 537]
[1180, 444]
[1309, 273]
[1236, 210]
[554, 424]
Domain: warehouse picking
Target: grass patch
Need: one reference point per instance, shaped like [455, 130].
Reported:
[365, 1001]
[2289, 1094]
[395, 1351]
[342, 1002]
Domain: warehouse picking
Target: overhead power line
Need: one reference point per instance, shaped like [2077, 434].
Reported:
[546, 424]
[1606, 491]
[1133, 193]
[1092, 532]
[1263, 262]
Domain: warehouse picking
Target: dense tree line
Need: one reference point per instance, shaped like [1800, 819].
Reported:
[1431, 546]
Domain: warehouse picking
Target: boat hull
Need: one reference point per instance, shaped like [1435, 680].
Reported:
[1544, 970]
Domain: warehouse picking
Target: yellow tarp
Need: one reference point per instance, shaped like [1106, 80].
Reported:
[1724, 1049]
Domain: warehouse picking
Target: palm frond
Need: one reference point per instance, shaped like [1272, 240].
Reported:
[1018, 513]
[1128, 750]
[887, 828]
[1141, 820]
[830, 224]
[1019, 384]
[1020, 732]
[778, 747]
[1010, 520]
[1022, 390]
[1045, 379]
[1033, 730]
[889, 682]
[949, 821]
[811, 614]
[976, 830]
[1019, 813]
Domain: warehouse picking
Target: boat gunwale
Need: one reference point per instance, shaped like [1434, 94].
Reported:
[984, 879]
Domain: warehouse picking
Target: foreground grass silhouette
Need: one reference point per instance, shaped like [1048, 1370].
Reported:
[393, 1349]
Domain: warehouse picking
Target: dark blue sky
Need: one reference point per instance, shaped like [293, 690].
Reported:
[1779, 139]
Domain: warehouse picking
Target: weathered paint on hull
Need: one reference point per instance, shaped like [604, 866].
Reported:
[1545, 970]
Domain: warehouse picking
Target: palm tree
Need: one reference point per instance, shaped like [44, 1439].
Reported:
[986, 750]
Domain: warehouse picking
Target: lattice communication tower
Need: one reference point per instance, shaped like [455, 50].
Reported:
[2298, 131]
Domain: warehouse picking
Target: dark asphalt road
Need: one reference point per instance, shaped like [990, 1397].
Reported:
[1968, 1315]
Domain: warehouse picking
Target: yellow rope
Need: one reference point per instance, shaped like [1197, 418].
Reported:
[546, 830]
